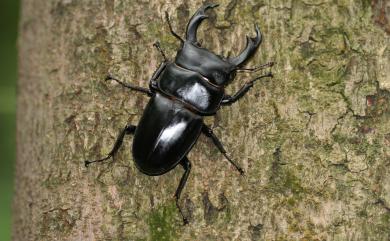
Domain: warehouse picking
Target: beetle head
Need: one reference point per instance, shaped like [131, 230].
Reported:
[217, 69]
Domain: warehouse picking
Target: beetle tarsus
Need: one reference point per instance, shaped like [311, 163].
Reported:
[241, 171]
[238, 168]
[87, 163]
[209, 133]
[185, 221]
[129, 129]
[187, 169]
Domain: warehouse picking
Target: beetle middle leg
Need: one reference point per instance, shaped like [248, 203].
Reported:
[187, 169]
[209, 133]
[129, 129]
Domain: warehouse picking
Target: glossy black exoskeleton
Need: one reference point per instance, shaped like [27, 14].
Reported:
[182, 92]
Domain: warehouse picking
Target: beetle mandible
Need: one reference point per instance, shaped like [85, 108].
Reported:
[182, 92]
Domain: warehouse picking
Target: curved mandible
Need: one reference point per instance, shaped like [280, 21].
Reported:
[195, 20]
[251, 46]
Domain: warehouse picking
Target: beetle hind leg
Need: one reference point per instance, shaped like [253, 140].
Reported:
[187, 169]
[209, 133]
[129, 129]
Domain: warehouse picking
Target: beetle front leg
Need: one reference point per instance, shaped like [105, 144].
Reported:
[187, 169]
[153, 81]
[228, 100]
[209, 133]
[129, 129]
[130, 86]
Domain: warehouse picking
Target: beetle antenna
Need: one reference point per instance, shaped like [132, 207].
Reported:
[257, 68]
[157, 45]
[171, 29]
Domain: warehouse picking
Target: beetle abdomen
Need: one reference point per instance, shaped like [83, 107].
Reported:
[165, 134]
[192, 88]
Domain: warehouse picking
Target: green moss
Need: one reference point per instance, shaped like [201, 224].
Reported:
[386, 219]
[284, 181]
[227, 215]
[362, 213]
[292, 183]
[291, 201]
[162, 223]
[340, 138]
[380, 229]
[366, 5]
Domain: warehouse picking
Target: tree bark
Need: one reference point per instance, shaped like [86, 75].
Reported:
[314, 141]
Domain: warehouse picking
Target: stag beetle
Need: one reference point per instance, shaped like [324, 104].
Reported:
[182, 92]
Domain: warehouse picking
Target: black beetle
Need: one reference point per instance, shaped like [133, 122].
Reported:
[182, 92]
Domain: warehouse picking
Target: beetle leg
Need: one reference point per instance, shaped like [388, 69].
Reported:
[130, 86]
[129, 129]
[171, 29]
[187, 169]
[153, 81]
[257, 68]
[209, 133]
[228, 100]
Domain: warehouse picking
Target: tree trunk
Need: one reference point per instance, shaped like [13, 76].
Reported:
[314, 140]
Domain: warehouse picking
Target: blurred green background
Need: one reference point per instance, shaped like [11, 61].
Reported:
[9, 13]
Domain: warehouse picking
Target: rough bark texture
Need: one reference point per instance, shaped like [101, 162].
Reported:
[314, 141]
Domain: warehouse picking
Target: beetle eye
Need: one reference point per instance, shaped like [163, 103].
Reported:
[199, 43]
